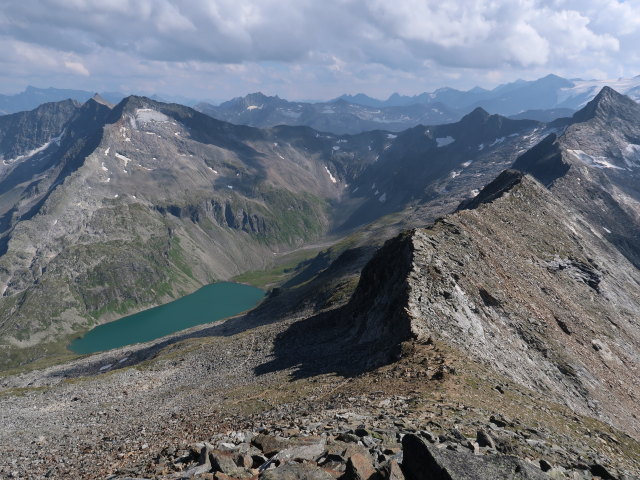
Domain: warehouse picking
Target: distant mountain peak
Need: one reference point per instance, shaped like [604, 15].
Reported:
[607, 103]
[97, 98]
[256, 95]
[477, 114]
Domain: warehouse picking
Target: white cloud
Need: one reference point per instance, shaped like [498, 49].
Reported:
[355, 42]
[77, 67]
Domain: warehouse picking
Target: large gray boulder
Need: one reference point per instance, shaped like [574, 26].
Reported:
[296, 471]
[426, 462]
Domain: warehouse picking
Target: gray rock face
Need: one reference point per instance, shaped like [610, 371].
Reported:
[497, 275]
[426, 462]
[23, 132]
[296, 471]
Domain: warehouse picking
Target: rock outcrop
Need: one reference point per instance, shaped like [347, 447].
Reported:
[522, 283]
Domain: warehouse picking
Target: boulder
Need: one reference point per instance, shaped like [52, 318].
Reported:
[296, 471]
[269, 444]
[312, 451]
[392, 471]
[360, 467]
[485, 440]
[224, 462]
[423, 461]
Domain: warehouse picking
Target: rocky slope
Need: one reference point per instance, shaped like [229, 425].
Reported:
[594, 166]
[523, 284]
[165, 199]
[24, 132]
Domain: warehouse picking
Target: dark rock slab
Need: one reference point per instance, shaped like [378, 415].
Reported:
[425, 462]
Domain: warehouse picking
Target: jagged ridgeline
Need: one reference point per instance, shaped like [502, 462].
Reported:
[106, 209]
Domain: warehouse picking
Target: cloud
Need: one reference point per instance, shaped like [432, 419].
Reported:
[331, 40]
[77, 67]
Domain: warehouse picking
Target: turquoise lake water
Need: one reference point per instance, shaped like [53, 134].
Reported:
[210, 303]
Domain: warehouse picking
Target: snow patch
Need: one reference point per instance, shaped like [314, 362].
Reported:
[391, 136]
[497, 141]
[106, 367]
[481, 147]
[254, 107]
[331, 177]
[383, 198]
[444, 141]
[475, 192]
[631, 155]
[606, 230]
[466, 164]
[230, 187]
[455, 173]
[30, 153]
[597, 162]
[104, 168]
[126, 160]
[148, 115]
[335, 148]
[106, 151]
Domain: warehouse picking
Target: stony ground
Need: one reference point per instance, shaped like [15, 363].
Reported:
[151, 419]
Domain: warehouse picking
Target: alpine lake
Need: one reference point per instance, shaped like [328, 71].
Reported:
[209, 304]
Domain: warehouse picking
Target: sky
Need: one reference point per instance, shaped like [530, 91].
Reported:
[311, 49]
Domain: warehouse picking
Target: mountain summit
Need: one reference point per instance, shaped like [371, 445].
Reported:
[609, 105]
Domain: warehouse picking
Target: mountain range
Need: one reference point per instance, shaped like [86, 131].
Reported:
[545, 99]
[512, 98]
[472, 313]
[32, 97]
[338, 117]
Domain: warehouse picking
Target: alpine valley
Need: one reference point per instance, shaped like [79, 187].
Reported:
[456, 296]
